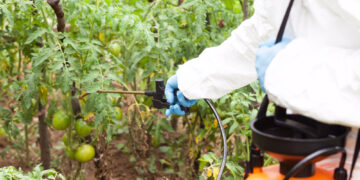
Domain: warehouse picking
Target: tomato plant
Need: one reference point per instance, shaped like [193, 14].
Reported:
[55, 57]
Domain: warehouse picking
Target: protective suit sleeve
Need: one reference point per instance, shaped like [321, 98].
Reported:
[231, 65]
[317, 80]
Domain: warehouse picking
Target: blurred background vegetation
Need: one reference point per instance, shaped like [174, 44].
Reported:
[48, 62]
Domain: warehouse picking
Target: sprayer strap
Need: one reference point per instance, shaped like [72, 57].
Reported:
[284, 22]
[280, 111]
[356, 154]
[264, 104]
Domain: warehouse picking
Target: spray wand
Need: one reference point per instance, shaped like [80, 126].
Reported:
[159, 102]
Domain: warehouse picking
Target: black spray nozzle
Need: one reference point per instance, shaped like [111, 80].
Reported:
[158, 99]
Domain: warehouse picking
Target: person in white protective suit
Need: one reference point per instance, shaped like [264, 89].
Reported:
[316, 74]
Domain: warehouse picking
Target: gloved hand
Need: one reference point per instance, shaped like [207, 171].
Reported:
[176, 100]
[265, 54]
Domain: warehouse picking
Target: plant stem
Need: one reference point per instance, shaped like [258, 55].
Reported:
[27, 157]
[245, 8]
[77, 171]
[44, 139]
[247, 148]
[60, 17]
[19, 63]
[69, 134]
[18, 153]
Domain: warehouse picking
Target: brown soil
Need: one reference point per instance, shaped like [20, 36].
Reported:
[118, 162]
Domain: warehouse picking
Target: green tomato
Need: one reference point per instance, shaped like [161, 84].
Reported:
[2, 132]
[115, 48]
[65, 139]
[70, 154]
[183, 24]
[82, 129]
[60, 120]
[119, 113]
[85, 153]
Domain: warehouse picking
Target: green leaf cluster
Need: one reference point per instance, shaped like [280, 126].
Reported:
[40, 67]
[11, 173]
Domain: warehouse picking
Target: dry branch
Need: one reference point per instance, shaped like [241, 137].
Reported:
[56, 6]
[44, 140]
[245, 8]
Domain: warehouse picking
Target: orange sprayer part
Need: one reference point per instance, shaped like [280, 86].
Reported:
[273, 173]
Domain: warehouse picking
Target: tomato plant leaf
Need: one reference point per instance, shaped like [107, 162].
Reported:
[8, 14]
[99, 117]
[65, 81]
[233, 127]
[40, 57]
[209, 158]
[109, 132]
[92, 87]
[34, 35]
[235, 169]
[27, 99]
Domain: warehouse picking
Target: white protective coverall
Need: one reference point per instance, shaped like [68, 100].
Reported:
[316, 75]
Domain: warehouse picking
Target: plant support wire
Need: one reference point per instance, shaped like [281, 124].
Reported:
[223, 162]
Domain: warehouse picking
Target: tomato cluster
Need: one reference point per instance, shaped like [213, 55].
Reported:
[74, 148]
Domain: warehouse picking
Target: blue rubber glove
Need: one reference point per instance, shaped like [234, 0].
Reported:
[265, 54]
[176, 100]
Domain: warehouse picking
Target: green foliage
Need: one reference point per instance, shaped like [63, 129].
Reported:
[11, 173]
[129, 43]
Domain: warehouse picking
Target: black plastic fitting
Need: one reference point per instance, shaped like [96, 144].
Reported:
[340, 174]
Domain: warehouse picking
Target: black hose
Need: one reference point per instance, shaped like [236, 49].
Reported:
[312, 156]
[223, 162]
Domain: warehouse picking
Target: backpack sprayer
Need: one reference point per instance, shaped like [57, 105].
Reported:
[296, 141]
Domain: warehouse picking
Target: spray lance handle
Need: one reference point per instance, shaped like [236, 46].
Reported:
[158, 99]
